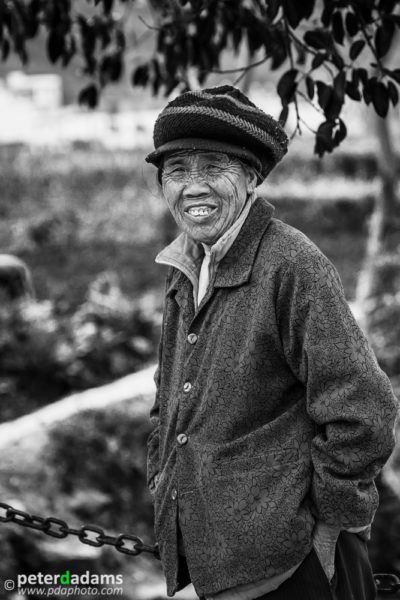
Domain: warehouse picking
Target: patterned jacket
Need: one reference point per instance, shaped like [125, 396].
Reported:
[271, 412]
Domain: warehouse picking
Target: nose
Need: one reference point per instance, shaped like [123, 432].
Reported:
[195, 188]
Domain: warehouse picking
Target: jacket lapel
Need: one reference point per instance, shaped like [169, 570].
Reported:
[235, 268]
[181, 288]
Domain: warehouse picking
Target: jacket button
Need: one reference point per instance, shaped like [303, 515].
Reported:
[192, 338]
[174, 494]
[187, 386]
[182, 439]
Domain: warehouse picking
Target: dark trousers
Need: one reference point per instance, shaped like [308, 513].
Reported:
[353, 579]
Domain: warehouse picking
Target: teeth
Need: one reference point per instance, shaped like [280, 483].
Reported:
[199, 211]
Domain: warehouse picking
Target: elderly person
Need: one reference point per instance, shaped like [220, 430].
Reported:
[272, 417]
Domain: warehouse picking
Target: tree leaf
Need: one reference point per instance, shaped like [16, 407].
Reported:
[394, 74]
[380, 98]
[284, 115]
[89, 96]
[352, 24]
[352, 91]
[323, 138]
[337, 61]
[140, 75]
[318, 60]
[393, 93]
[319, 39]
[356, 49]
[272, 9]
[107, 4]
[310, 87]
[340, 133]
[331, 98]
[361, 73]
[324, 93]
[236, 36]
[275, 44]
[55, 46]
[387, 6]
[327, 14]
[5, 49]
[110, 68]
[287, 86]
[339, 85]
[367, 91]
[383, 37]
[329, 135]
[292, 12]
[297, 11]
[365, 8]
[337, 27]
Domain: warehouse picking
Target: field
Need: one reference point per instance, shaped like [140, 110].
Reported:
[74, 214]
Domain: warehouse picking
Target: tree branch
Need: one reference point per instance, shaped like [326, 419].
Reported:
[296, 104]
[367, 38]
[309, 50]
[147, 24]
[241, 70]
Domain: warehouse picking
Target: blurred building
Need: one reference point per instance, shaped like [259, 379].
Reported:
[43, 91]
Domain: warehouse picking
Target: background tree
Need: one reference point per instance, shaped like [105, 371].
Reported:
[323, 44]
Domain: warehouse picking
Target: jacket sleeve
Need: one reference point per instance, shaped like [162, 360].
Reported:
[153, 441]
[349, 398]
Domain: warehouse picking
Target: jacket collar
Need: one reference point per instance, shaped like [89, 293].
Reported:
[235, 267]
[183, 254]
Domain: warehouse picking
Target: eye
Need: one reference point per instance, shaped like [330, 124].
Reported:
[214, 169]
[174, 171]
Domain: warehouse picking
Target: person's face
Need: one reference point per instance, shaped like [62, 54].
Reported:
[205, 192]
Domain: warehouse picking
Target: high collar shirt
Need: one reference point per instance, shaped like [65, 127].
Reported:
[271, 413]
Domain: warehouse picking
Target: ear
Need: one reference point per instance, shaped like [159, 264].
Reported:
[251, 179]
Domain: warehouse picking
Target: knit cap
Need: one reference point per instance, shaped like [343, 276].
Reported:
[219, 119]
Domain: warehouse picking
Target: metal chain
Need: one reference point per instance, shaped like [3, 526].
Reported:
[132, 545]
[387, 583]
[88, 534]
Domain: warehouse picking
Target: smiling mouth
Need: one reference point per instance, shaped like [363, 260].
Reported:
[200, 211]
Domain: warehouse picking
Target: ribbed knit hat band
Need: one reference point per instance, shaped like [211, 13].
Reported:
[225, 116]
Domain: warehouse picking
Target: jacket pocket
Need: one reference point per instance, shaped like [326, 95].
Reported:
[256, 508]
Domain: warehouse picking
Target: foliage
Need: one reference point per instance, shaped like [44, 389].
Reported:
[89, 468]
[108, 336]
[76, 449]
[384, 312]
[329, 49]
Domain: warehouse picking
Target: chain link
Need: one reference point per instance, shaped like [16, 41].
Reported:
[87, 534]
[387, 583]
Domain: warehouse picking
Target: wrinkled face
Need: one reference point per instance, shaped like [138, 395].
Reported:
[205, 192]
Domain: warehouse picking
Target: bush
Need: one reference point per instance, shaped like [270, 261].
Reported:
[384, 312]
[44, 353]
